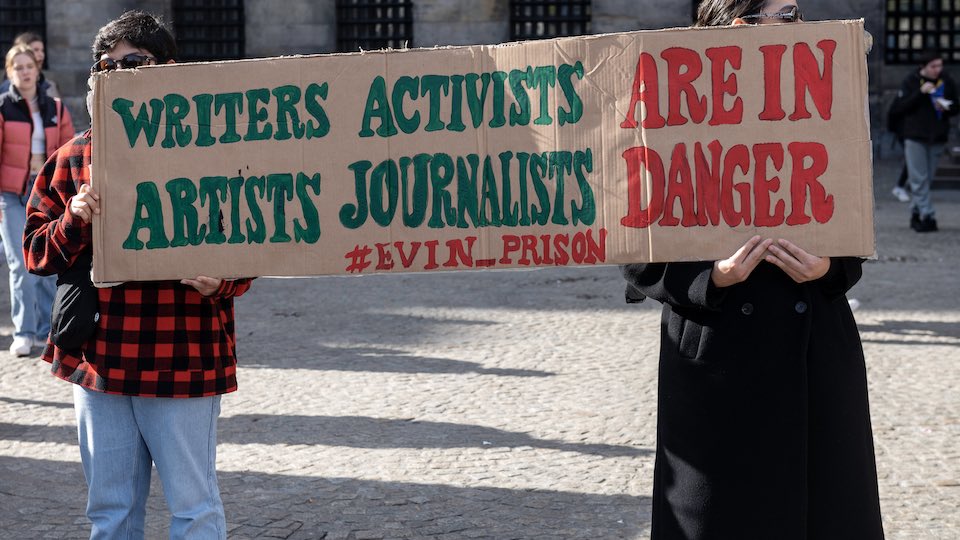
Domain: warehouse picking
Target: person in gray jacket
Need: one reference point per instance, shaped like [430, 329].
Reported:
[926, 102]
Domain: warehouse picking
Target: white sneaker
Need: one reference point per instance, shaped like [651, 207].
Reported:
[21, 346]
[40, 342]
[901, 194]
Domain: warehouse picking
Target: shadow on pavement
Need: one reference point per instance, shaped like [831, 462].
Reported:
[366, 432]
[37, 433]
[913, 332]
[350, 431]
[370, 319]
[338, 506]
[568, 288]
[46, 498]
[371, 359]
[294, 330]
[35, 403]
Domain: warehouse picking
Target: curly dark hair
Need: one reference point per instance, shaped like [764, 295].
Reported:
[723, 12]
[140, 29]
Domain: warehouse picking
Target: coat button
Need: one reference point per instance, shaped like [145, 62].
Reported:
[801, 307]
[747, 308]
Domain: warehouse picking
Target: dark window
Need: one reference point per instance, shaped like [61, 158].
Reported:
[18, 16]
[209, 29]
[538, 19]
[694, 6]
[374, 24]
[915, 25]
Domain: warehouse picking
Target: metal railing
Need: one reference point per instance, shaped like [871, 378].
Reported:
[541, 19]
[209, 29]
[374, 24]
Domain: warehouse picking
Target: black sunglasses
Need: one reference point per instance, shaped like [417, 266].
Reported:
[129, 61]
[790, 15]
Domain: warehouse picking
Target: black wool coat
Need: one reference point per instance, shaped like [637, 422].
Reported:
[763, 426]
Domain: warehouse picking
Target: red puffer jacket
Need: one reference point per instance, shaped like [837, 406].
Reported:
[16, 129]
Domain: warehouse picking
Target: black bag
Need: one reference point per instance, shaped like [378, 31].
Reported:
[76, 308]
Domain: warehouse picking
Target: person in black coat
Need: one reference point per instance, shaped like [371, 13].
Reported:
[926, 102]
[763, 422]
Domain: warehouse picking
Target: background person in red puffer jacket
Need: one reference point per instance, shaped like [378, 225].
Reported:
[32, 127]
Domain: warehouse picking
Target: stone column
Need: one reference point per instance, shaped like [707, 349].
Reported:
[460, 22]
[71, 27]
[291, 27]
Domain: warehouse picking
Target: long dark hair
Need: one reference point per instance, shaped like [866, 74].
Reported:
[723, 12]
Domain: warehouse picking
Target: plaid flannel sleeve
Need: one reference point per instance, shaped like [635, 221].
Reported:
[231, 288]
[53, 238]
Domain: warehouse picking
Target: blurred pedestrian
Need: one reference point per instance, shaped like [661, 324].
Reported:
[900, 191]
[35, 42]
[927, 100]
[895, 126]
[32, 126]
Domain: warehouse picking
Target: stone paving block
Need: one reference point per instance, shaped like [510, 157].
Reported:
[308, 535]
[369, 535]
[272, 532]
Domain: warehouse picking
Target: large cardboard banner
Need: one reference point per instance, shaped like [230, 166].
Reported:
[644, 146]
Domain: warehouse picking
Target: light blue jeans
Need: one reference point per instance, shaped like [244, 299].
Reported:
[922, 162]
[31, 297]
[119, 438]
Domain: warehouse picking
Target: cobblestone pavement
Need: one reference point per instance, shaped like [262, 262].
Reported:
[515, 404]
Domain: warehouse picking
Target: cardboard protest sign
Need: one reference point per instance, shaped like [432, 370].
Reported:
[644, 146]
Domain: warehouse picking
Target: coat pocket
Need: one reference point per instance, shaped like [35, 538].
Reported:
[689, 342]
[696, 341]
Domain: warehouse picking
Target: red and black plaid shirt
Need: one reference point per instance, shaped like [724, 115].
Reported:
[154, 339]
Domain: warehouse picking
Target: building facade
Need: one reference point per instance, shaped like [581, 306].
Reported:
[226, 29]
